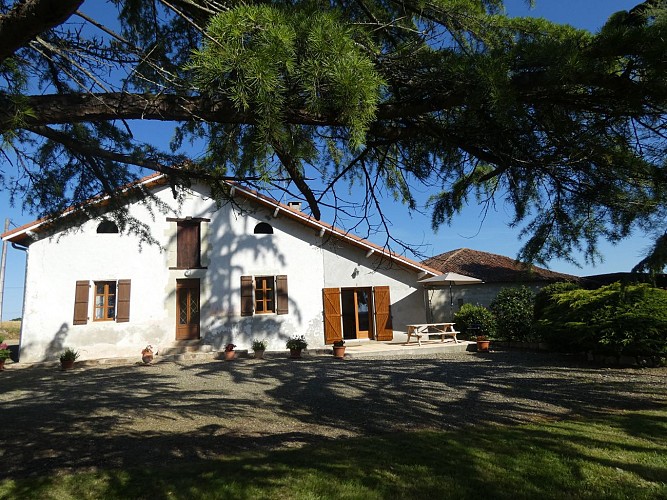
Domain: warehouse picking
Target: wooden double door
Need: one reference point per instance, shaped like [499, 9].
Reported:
[357, 313]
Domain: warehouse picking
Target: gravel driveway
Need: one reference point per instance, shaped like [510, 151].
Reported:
[124, 416]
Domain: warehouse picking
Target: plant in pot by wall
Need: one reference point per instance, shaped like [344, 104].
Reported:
[339, 349]
[147, 354]
[4, 353]
[483, 343]
[229, 352]
[295, 345]
[259, 346]
[68, 357]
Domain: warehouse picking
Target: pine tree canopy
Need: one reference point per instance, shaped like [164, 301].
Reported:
[315, 98]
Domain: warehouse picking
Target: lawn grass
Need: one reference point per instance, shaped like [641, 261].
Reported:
[622, 456]
[10, 330]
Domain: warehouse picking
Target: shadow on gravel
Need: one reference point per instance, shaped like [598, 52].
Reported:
[128, 416]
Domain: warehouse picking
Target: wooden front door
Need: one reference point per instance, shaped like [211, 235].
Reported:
[187, 309]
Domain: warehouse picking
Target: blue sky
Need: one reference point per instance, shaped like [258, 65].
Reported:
[470, 229]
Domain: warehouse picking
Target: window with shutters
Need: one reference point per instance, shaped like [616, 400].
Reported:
[111, 301]
[264, 295]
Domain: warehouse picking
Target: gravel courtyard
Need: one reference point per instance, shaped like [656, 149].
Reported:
[133, 415]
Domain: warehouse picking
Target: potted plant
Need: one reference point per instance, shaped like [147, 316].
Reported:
[483, 343]
[295, 345]
[68, 357]
[5, 353]
[339, 349]
[259, 346]
[147, 354]
[229, 352]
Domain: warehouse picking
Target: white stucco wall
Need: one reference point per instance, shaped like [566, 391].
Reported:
[348, 266]
[230, 250]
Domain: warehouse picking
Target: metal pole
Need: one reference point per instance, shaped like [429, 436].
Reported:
[2, 268]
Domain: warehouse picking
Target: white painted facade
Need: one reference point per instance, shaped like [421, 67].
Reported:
[308, 255]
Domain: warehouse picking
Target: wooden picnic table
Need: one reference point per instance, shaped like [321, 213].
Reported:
[443, 329]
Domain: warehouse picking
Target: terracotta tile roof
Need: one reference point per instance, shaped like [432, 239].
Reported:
[492, 268]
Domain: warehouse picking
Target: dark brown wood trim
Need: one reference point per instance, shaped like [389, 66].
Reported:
[188, 219]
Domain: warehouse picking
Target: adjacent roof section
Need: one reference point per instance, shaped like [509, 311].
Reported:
[493, 268]
[22, 235]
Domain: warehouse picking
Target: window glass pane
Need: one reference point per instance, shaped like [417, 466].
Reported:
[183, 307]
[105, 300]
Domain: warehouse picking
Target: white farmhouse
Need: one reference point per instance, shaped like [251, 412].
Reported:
[252, 269]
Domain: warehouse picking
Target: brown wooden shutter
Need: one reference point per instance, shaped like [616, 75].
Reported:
[187, 245]
[247, 296]
[384, 329]
[123, 305]
[333, 329]
[81, 294]
[282, 300]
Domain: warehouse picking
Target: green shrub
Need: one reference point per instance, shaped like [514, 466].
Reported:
[513, 310]
[544, 296]
[479, 316]
[620, 320]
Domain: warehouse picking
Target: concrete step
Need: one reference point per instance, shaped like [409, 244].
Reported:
[185, 346]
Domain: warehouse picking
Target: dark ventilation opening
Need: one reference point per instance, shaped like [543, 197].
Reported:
[263, 228]
[106, 226]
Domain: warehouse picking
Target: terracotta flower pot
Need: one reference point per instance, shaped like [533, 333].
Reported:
[483, 346]
[259, 354]
[230, 355]
[295, 353]
[2, 365]
[339, 352]
[67, 365]
[147, 358]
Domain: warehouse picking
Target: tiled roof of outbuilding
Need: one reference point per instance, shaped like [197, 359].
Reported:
[493, 268]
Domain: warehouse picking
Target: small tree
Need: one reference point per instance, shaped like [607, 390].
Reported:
[513, 310]
[475, 316]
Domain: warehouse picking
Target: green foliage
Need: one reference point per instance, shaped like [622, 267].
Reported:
[271, 58]
[259, 345]
[545, 295]
[513, 310]
[565, 127]
[296, 342]
[5, 353]
[69, 354]
[477, 317]
[616, 319]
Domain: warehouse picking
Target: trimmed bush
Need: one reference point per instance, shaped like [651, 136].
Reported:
[513, 309]
[479, 316]
[544, 297]
[616, 319]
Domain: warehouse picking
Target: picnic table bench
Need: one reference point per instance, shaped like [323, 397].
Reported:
[421, 329]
